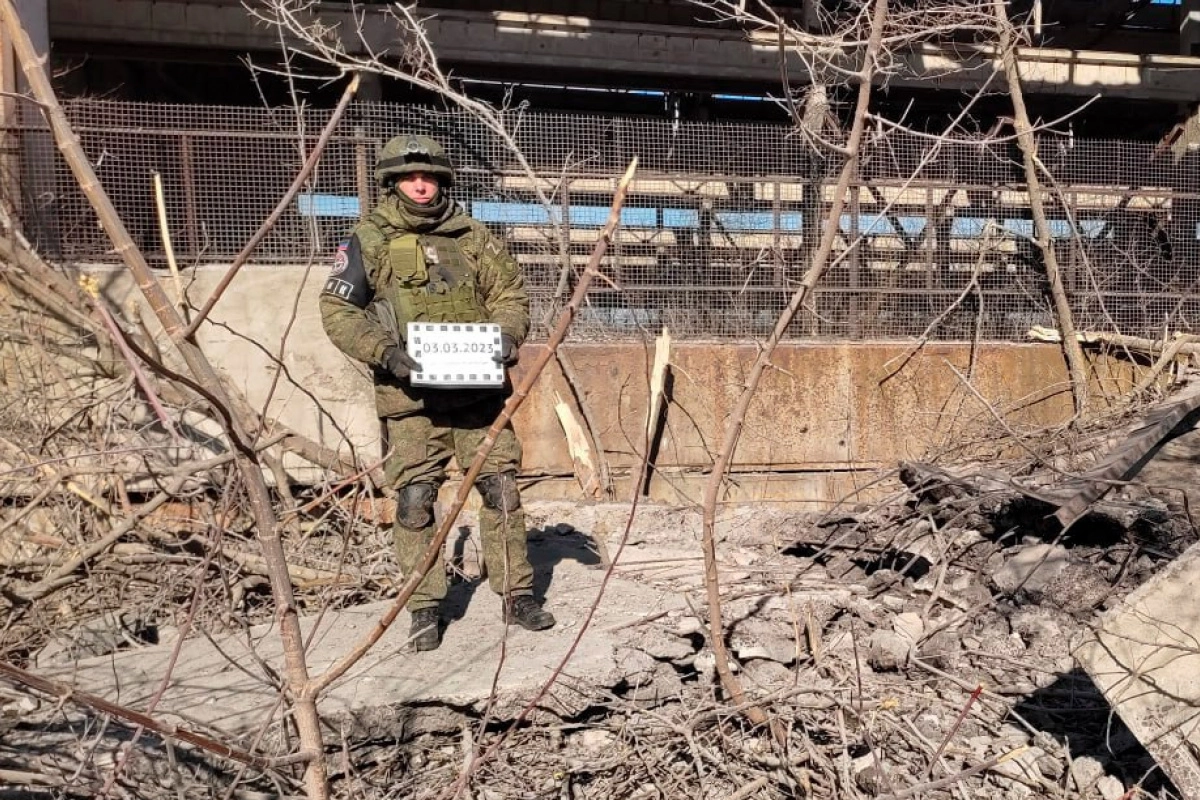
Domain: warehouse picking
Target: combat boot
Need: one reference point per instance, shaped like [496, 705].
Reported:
[424, 633]
[525, 611]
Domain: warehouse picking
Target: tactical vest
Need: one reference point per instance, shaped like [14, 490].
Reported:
[427, 278]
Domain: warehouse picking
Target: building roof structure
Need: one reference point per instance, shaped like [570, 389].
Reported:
[1135, 62]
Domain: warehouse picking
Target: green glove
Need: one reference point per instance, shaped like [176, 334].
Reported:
[509, 352]
[399, 363]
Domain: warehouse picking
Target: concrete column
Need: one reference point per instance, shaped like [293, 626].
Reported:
[27, 157]
[1189, 28]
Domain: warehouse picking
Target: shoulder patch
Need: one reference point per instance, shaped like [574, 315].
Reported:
[341, 259]
[348, 275]
[339, 288]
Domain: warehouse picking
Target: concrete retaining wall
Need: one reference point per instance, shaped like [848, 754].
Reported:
[827, 417]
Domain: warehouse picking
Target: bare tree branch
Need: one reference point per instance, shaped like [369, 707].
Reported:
[246, 460]
[1043, 237]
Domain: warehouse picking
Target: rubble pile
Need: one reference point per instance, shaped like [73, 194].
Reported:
[918, 649]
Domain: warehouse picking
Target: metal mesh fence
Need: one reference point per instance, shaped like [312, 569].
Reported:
[717, 231]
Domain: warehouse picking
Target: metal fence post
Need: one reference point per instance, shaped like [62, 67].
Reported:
[188, 179]
[362, 170]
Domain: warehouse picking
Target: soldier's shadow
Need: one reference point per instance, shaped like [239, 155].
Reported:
[548, 547]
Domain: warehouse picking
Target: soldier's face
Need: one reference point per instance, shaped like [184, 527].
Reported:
[420, 187]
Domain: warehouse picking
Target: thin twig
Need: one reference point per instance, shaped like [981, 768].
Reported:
[267, 224]
[920, 789]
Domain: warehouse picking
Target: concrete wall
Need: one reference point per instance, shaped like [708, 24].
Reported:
[825, 420]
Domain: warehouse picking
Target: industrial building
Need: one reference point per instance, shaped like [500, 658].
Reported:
[652, 57]
[728, 201]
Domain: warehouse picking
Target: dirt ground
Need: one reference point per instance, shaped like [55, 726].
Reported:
[913, 649]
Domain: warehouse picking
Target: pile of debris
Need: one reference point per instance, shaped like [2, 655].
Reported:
[922, 649]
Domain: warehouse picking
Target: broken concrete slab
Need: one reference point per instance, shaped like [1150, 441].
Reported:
[888, 651]
[222, 683]
[1145, 659]
[1031, 568]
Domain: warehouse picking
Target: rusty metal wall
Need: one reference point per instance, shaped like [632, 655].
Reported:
[935, 241]
[827, 422]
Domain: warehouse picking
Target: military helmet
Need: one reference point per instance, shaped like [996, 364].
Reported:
[412, 153]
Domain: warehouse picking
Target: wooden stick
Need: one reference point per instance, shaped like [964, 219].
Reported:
[1185, 343]
[749, 789]
[138, 373]
[205, 743]
[1043, 237]
[658, 390]
[164, 230]
[578, 446]
[916, 791]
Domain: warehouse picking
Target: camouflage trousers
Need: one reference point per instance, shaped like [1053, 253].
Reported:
[420, 448]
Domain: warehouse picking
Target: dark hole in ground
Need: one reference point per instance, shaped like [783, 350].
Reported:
[1095, 530]
[1074, 712]
[821, 736]
[909, 565]
[857, 750]
[806, 550]
[1026, 516]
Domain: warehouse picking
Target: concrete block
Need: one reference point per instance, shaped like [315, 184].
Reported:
[1145, 659]
[654, 44]
[456, 34]
[80, 11]
[1033, 568]
[680, 45]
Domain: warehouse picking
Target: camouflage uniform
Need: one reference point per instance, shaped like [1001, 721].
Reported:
[433, 264]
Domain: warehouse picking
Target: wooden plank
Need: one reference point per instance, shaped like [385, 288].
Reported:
[582, 460]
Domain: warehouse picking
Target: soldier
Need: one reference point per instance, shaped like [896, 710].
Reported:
[418, 257]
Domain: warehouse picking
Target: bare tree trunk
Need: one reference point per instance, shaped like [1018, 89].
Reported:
[1076, 364]
[304, 707]
[733, 430]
